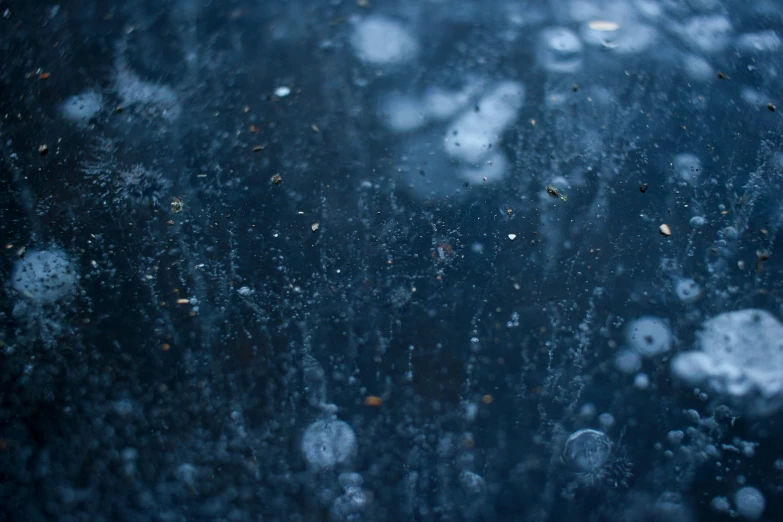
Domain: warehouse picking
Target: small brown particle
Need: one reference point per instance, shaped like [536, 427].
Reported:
[177, 205]
[183, 301]
[643, 188]
[509, 210]
[44, 76]
[254, 129]
[43, 150]
[373, 400]
[170, 222]
[276, 179]
[165, 347]
[487, 399]
[771, 107]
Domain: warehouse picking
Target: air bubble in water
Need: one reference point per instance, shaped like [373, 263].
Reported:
[80, 108]
[649, 336]
[380, 40]
[472, 483]
[687, 166]
[328, 443]
[350, 505]
[587, 450]
[709, 33]
[750, 502]
[740, 356]
[44, 276]
[687, 290]
[560, 50]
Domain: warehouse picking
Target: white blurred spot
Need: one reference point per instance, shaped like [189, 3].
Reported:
[754, 97]
[741, 357]
[627, 361]
[675, 437]
[82, 107]
[697, 68]
[350, 505]
[698, 221]
[328, 443]
[606, 420]
[473, 134]
[44, 276]
[649, 336]
[441, 104]
[687, 166]
[603, 25]
[641, 381]
[763, 41]
[380, 40]
[708, 33]
[580, 10]
[720, 504]
[152, 99]
[472, 483]
[687, 290]
[750, 502]
[587, 450]
[632, 39]
[402, 113]
[490, 170]
[559, 50]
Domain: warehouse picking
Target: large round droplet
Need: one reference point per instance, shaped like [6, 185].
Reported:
[750, 502]
[328, 443]
[44, 276]
[649, 336]
[587, 450]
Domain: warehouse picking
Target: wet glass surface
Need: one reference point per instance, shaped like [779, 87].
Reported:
[379, 260]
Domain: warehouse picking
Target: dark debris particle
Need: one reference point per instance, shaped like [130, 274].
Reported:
[276, 179]
[761, 257]
[258, 148]
[43, 150]
[575, 87]
[722, 75]
[771, 107]
[643, 188]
